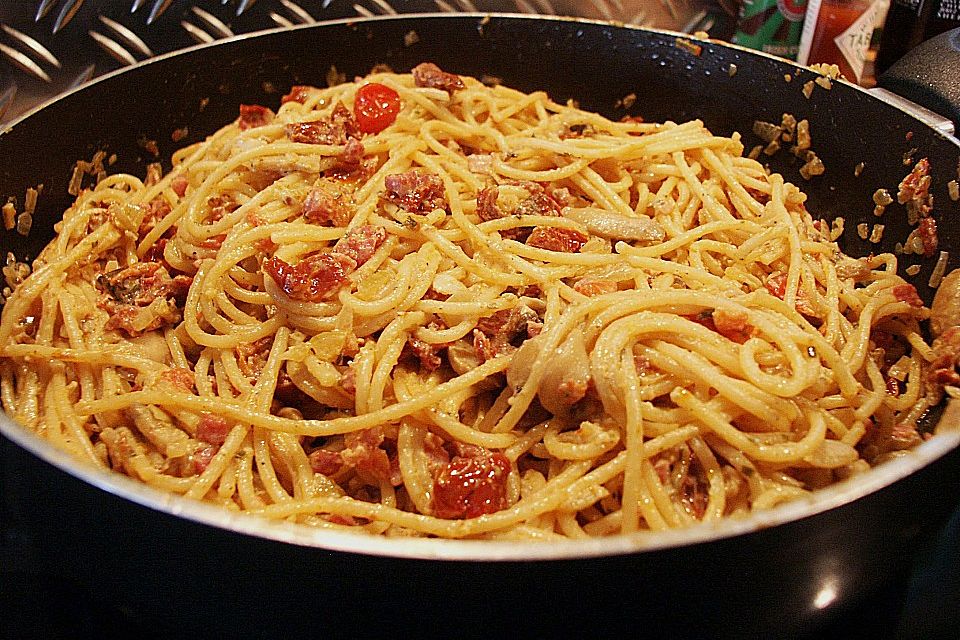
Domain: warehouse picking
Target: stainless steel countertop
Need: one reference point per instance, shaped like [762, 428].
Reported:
[49, 46]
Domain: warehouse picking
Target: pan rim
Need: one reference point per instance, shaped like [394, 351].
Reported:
[898, 105]
[127, 488]
[822, 500]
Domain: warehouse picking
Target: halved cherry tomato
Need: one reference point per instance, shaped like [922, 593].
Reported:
[375, 107]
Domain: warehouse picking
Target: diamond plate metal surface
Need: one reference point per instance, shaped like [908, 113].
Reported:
[50, 46]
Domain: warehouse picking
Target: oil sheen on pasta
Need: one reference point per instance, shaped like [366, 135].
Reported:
[418, 305]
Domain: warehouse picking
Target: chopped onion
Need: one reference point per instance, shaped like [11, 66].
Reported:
[900, 369]
[766, 131]
[882, 197]
[158, 427]
[479, 162]
[152, 346]
[939, 269]
[9, 216]
[831, 454]
[447, 284]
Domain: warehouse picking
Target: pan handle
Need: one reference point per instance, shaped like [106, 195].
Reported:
[928, 75]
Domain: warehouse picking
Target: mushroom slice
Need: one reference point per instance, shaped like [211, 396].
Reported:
[614, 226]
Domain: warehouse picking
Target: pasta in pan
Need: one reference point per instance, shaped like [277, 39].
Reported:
[414, 304]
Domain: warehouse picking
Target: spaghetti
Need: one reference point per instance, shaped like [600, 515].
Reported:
[418, 305]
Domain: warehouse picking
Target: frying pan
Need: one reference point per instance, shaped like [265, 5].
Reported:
[181, 568]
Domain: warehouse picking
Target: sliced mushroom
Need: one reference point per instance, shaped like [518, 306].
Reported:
[151, 345]
[567, 377]
[158, 427]
[614, 226]
[567, 371]
[463, 357]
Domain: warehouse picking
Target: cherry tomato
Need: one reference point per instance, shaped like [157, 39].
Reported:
[375, 107]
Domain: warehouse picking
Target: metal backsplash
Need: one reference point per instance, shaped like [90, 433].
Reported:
[49, 46]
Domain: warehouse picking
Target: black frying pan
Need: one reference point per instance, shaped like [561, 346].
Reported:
[179, 568]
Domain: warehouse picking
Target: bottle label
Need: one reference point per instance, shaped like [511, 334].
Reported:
[855, 41]
[772, 26]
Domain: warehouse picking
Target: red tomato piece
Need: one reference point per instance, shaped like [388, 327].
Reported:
[376, 107]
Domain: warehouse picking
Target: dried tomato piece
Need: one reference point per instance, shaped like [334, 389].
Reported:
[471, 484]
[298, 93]
[430, 75]
[557, 239]
[415, 191]
[254, 115]
[361, 243]
[312, 279]
[212, 429]
[776, 284]
[907, 293]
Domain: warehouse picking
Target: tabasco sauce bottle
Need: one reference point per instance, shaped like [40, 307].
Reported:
[840, 32]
